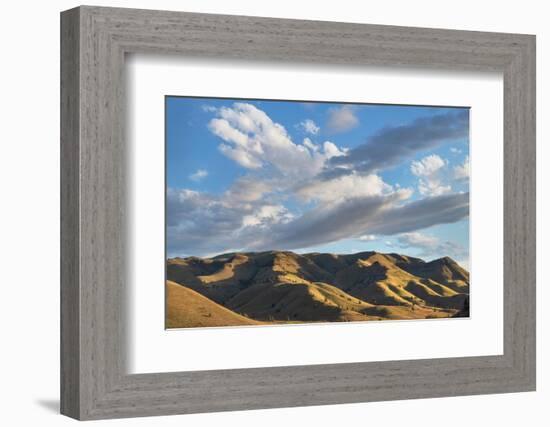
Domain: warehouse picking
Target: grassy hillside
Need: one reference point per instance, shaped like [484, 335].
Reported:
[186, 308]
[279, 286]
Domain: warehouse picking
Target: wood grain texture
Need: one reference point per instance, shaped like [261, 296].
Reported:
[70, 291]
[94, 382]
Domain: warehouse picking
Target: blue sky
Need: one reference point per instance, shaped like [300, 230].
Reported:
[246, 175]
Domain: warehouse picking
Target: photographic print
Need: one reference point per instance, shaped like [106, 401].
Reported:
[292, 212]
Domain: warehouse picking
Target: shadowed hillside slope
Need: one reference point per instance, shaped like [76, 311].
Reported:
[281, 286]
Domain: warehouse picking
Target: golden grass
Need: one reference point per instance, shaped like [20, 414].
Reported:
[186, 308]
[284, 287]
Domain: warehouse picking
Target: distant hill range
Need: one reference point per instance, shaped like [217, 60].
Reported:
[255, 288]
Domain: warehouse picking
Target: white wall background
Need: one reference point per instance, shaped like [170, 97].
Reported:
[29, 225]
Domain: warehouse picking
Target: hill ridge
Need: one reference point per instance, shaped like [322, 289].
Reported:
[315, 286]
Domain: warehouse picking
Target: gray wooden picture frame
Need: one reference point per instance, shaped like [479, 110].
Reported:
[94, 382]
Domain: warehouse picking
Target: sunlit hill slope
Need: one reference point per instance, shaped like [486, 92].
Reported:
[238, 289]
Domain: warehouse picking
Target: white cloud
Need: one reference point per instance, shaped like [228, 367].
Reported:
[417, 239]
[455, 150]
[309, 126]
[332, 150]
[286, 201]
[198, 175]
[427, 166]
[254, 141]
[342, 119]
[267, 215]
[344, 187]
[431, 246]
[309, 144]
[350, 218]
[462, 172]
[428, 170]
[432, 187]
[201, 223]
[392, 145]
[240, 156]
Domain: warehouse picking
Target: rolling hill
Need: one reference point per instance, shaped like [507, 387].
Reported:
[280, 286]
[186, 308]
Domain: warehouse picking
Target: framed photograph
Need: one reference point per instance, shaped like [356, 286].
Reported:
[262, 213]
[263, 230]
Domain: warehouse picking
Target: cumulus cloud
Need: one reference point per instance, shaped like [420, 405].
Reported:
[286, 199]
[267, 215]
[309, 126]
[200, 223]
[427, 166]
[428, 170]
[310, 144]
[254, 141]
[431, 187]
[342, 119]
[198, 175]
[392, 145]
[343, 187]
[462, 172]
[455, 150]
[332, 150]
